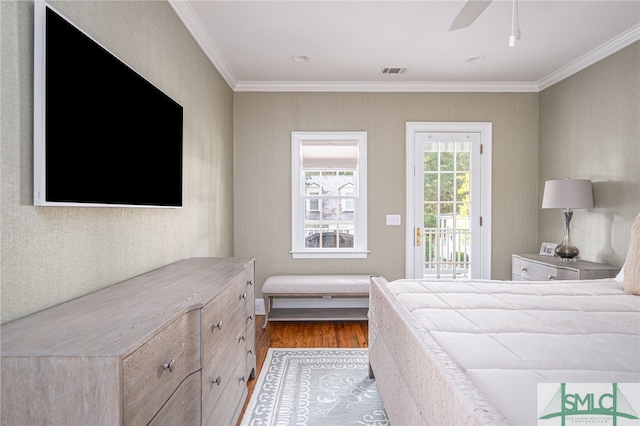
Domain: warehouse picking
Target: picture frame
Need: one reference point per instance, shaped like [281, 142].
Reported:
[548, 249]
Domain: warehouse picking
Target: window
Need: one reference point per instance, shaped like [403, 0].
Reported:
[312, 188]
[347, 203]
[329, 195]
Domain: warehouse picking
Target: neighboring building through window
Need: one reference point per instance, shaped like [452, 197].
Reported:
[329, 196]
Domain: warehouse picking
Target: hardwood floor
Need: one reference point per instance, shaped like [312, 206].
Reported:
[325, 334]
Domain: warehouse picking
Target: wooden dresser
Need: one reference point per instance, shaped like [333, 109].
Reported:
[534, 267]
[174, 346]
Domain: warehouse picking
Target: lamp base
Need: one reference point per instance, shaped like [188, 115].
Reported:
[565, 249]
[567, 252]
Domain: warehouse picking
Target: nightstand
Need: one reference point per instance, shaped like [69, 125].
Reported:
[534, 267]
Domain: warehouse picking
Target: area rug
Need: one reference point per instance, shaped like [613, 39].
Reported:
[315, 387]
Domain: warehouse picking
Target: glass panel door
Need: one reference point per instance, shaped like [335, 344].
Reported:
[444, 246]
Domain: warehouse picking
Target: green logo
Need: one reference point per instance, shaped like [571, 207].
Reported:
[584, 403]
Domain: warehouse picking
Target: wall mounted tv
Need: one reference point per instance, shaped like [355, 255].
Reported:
[104, 136]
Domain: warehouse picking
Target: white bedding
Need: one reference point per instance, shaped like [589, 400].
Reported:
[504, 338]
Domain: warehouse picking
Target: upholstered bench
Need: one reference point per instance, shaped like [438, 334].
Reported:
[325, 286]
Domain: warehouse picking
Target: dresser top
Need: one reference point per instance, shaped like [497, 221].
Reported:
[111, 321]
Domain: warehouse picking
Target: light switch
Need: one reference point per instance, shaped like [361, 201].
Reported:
[393, 219]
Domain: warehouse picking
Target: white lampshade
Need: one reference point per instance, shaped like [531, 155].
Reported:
[568, 194]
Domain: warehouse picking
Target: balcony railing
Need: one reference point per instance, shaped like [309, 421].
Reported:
[328, 239]
[447, 253]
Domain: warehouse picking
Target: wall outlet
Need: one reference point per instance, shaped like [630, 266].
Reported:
[393, 219]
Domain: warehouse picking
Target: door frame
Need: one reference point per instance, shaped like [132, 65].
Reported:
[485, 130]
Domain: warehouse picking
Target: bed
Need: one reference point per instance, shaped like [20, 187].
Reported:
[473, 352]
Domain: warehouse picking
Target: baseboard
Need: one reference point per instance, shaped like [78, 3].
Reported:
[259, 306]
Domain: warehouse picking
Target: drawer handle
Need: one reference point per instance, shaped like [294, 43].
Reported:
[242, 338]
[250, 318]
[218, 325]
[242, 379]
[551, 277]
[243, 296]
[523, 269]
[250, 351]
[169, 365]
[250, 282]
[217, 380]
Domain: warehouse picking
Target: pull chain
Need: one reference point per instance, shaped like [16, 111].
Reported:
[515, 25]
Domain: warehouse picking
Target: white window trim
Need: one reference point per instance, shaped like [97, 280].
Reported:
[298, 251]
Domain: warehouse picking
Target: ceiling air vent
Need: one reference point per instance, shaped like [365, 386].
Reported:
[392, 70]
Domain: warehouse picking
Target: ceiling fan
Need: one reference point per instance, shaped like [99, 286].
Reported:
[472, 9]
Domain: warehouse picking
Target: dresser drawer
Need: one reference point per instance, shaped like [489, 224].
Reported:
[249, 277]
[250, 317]
[220, 317]
[250, 351]
[245, 283]
[220, 368]
[250, 342]
[223, 342]
[228, 406]
[183, 408]
[155, 370]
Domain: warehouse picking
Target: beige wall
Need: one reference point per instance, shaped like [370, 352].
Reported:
[53, 254]
[590, 128]
[263, 126]
[586, 126]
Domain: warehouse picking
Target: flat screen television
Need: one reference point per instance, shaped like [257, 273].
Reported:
[104, 136]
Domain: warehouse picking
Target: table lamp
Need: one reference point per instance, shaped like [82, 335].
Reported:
[567, 194]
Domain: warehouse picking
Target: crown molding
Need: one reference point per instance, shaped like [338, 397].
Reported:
[190, 20]
[598, 54]
[372, 86]
[198, 32]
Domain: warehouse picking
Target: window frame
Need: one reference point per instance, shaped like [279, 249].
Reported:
[359, 249]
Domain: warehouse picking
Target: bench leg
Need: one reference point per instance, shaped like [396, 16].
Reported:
[267, 308]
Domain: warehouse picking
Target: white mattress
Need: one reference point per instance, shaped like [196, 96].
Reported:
[507, 337]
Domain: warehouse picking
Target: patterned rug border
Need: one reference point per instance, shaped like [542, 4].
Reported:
[253, 400]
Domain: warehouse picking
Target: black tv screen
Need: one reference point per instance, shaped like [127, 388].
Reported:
[103, 134]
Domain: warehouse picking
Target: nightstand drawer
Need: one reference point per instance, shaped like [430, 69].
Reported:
[533, 271]
[534, 267]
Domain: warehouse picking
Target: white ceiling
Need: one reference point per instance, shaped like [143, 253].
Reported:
[252, 43]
